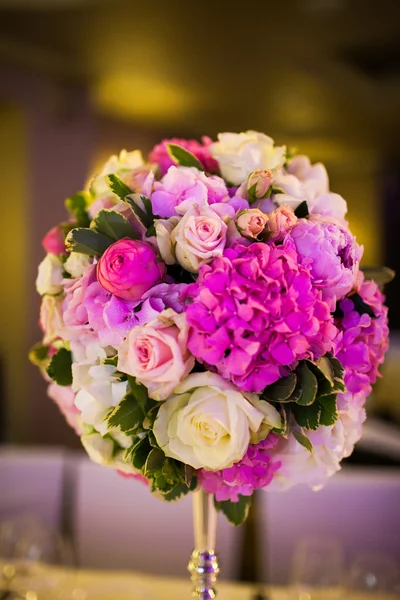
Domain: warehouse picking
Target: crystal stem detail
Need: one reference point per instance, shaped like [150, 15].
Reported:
[203, 564]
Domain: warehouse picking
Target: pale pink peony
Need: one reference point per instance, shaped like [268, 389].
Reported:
[281, 222]
[157, 354]
[332, 255]
[129, 268]
[53, 241]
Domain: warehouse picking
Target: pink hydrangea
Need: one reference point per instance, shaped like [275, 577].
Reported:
[331, 253]
[255, 470]
[160, 155]
[364, 340]
[254, 313]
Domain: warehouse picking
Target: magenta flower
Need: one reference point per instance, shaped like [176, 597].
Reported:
[364, 340]
[129, 268]
[160, 155]
[332, 255]
[254, 313]
[255, 470]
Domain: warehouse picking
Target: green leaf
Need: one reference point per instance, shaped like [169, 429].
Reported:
[189, 474]
[113, 360]
[309, 385]
[329, 414]
[139, 392]
[281, 390]
[151, 231]
[77, 205]
[60, 367]
[277, 190]
[154, 462]
[128, 415]
[303, 440]
[323, 371]
[179, 490]
[235, 512]
[338, 374]
[183, 158]
[87, 241]
[139, 452]
[322, 412]
[39, 355]
[301, 211]
[117, 186]
[113, 225]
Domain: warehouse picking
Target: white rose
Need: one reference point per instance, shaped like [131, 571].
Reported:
[77, 263]
[120, 165]
[239, 154]
[50, 275]
[206, 423]
[51, 320]
[197, 238]
[99, 392]
[298, 465]
[164, 228]
[102, 451]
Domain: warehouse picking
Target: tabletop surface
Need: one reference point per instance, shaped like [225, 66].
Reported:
[116, 585]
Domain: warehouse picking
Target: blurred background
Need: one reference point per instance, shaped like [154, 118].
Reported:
[81, 79]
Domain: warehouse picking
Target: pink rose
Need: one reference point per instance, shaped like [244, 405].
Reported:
[281, 221]
[157, 355]
[197, 238]
[251, 223]
[53, 241]
[128, 268]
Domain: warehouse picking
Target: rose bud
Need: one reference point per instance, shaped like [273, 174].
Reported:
[281, 222]
[53, 241]
[258, 184]
[251, 223]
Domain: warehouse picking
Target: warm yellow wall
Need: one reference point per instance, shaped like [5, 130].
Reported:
[13, 266]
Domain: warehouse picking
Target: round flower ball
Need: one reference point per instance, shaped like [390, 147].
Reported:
[129, 268]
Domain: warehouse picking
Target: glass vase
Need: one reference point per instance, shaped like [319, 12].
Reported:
[203, 564]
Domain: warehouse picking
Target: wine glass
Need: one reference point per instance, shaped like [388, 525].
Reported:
[317, 570]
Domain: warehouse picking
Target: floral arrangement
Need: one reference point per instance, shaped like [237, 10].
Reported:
[206, 322]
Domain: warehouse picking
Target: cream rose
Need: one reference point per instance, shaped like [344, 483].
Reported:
[50, 275]
[51, 320]
[77, 263]
[251, 223]
[239, 154]
[195, 239]
[157, 355]
[207, 423]
[122, 165]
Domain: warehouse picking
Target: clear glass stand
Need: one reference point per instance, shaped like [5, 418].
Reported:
[203, 564]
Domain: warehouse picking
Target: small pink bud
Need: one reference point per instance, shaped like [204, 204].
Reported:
[258, 184]
[53, 241]
[251, 223]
